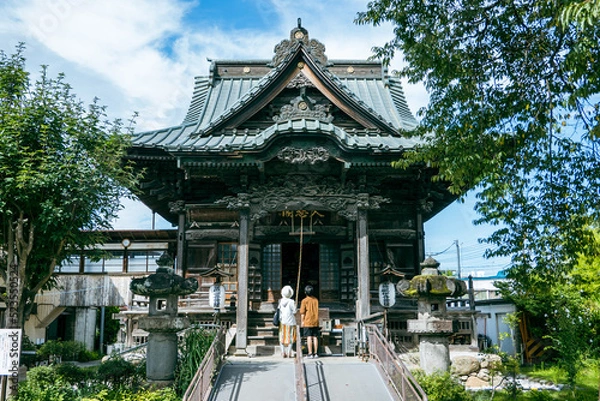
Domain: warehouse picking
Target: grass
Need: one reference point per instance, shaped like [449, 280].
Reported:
[586, 388]
[586, 384]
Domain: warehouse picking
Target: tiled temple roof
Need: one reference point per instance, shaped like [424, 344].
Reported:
[235, 86]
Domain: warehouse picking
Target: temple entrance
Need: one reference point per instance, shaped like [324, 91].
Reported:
[309, 271]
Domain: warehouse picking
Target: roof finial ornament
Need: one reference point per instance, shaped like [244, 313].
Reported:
[299, 37]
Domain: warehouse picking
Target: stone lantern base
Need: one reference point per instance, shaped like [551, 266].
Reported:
[161, 357]
[434, 352]
[161, 354]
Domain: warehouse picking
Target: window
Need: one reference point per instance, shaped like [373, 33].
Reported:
[143, 261]
[329, 279]
[377, 264]
[201, 256]
[227, 254]
[227, 260]
[70, 265]
[272, 267]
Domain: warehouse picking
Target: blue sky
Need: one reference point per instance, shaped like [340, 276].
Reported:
[142, 55]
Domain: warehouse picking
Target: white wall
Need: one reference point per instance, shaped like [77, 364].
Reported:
[492, 323]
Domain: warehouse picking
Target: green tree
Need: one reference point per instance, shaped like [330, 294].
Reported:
[563, 310]
[585, 13]
[61, 176]
[513, 113]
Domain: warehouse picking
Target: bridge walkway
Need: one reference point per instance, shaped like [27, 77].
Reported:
[329, 378]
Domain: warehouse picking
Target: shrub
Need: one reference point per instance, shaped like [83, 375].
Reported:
[50, 350]
[116, 372]
[66, 351]
[76, 375]
[442, 387]
[45, 384]
[166, 394]
[539, 396]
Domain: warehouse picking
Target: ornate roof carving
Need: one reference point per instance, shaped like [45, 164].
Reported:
[303, 106]
[307, 192]
[300, 81]
[299, 156]
[299, 37]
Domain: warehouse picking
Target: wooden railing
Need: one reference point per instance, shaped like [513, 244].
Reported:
[301, 391]
[201, 385]
[398, 375]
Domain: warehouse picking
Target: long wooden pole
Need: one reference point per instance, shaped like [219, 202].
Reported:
[300, 258]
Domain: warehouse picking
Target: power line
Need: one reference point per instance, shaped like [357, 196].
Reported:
[439, 253]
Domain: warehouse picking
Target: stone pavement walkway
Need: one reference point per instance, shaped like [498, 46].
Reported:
[329, 378]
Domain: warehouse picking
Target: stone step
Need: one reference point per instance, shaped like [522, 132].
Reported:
[263, 340]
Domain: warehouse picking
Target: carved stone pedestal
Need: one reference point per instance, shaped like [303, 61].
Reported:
[431, 289]
[163, 288]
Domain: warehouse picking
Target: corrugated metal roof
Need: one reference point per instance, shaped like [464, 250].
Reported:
[201, 88]
[385, 100]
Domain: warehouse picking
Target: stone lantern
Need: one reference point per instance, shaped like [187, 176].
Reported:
[162, 323]
[432, 325]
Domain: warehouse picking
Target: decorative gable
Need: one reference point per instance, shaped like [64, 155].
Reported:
[299, 36]
[245, 104]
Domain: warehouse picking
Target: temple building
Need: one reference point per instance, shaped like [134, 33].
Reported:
[281, 174]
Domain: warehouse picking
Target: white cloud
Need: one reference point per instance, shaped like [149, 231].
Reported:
[121, 42]
[142, 55]
[135, 215]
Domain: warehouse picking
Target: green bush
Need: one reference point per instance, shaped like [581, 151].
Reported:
[66, 351]
[442, 387]
[75, 375]
[166, 394]
[539, 396]
[117, 372]
[45, 384]
[114, 380]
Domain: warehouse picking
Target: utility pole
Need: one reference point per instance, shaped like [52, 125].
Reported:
[457, 257]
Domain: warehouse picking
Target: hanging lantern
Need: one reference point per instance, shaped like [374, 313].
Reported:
[387, 294]
[387, 289]
[216, 296]
[216, 292]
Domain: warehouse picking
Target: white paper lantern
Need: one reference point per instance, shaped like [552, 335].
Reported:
[387, 294]
[216, 296]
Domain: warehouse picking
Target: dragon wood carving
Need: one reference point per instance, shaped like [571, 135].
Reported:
[303, 192]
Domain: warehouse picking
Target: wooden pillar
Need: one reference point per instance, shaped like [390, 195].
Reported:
[180, 243]
[178, 207]
[241, 336]
[363, 309]
[420, 239]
